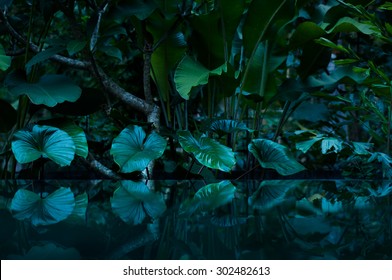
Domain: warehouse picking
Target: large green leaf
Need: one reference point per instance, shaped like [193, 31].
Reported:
[43, 141]
[190, 73]
[133, 151]
[275, 156]
[76, 132]
[52, 209]
[7, 116]
[272, 193]
[5, 61]
[133, 202]
[222, 127]
[44, 55]
[209, 197]
[49, 90]
[207, 151]
[168, 54]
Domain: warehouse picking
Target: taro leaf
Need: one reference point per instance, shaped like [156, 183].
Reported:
[209, 198]
[207, 151]
[331, 144]
[133, 202]
[306, 145]
[52, 209]
[190, 73]
[272, 193]
[76, 132]
[49, 90]
[133, 151]
[7, 116]
[222, 127]
[81, 203]
[5, 61]
[43, 141]
[275, 156]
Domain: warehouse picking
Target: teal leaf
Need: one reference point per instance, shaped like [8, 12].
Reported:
[222, 127]
[49, 90]
[5, 61]
[52, 209]
[7, 116]
[112, 51]
[306, 145]
[275, 156]
[272, 193]
[209, 198]
[362, 148]
[133, 150]
[133, 202]
[331, 144]
[190, 73]
[207, 151]
[43, 141]
[44, 55]
[75, 132]
[75, 46]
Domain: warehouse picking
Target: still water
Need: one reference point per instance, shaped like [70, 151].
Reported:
[287, 219]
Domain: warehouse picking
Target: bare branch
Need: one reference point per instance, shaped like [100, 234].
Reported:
[100, 168]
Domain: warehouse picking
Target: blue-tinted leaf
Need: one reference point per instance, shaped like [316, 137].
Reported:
[209, 197]
[275, 156]
[133, 202]
[331, 145]
[272, 193]
[52, 209]
[43, 141]
[49, 90]
[133, 151]
[207, 151]
[44, 55]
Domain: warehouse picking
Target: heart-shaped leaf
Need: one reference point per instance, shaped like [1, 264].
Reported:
[190, 73]
[57, 206]
[5, 61]
[207, 151]
[222, 127]
[133, 202]
[49, 90]
[275, 156]
[43, 141]
[209, 197]
[76, 132]
[133, 151]
[272, 193]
